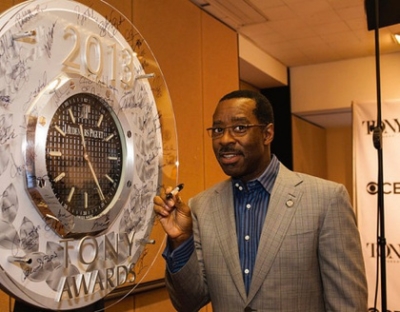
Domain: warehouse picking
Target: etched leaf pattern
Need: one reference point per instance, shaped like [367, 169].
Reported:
[9, 238]
[4, 157]
[9, 204]
[29, 236]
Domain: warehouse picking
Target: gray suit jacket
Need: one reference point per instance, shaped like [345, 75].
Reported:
[309, 257]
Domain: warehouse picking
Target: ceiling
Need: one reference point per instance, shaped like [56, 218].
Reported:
[304, 32]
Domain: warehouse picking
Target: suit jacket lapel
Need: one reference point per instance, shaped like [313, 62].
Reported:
[282, 207]
[225, 225]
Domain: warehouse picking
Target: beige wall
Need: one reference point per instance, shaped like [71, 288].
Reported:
[335, 85]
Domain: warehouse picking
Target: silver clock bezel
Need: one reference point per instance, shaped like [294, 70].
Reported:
[38, 118]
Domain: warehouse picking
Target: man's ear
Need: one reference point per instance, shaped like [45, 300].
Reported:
[269, 134]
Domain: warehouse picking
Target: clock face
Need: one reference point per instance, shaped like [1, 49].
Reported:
[80, 155]
[84, 155]
[87, 138]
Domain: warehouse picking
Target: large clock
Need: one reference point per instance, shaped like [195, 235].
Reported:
[79, 155]
[87, 138]
[85, 155]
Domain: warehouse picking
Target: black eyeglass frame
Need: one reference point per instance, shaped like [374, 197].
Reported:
[216, 135]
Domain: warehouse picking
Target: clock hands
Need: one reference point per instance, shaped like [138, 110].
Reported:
[86, 157]
[82, 137]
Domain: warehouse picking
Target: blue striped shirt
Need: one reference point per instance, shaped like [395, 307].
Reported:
[251, 204]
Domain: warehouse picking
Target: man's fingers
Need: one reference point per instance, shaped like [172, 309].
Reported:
[160, 207]
[164, 207]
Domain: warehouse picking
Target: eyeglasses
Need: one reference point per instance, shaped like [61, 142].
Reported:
[235, 130]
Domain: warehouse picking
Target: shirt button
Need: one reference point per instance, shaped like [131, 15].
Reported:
[247, 237]
[248, 206]
[246, 271]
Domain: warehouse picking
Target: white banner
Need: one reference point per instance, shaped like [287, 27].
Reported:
[366, 198]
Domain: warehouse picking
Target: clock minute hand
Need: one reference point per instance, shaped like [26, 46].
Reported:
[86, 157]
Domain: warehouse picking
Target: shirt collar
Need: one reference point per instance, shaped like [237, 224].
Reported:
[266, 179]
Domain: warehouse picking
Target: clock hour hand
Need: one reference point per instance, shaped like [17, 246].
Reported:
[86, 157]
[82, 138]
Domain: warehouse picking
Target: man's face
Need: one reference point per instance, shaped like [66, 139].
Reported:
[243, 156]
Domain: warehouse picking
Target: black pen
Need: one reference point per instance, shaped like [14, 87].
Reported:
[175, 191]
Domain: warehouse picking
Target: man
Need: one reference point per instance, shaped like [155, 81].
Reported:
[267, 239]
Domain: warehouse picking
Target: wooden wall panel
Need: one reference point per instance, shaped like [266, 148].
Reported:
[121, 305]
[157, 300]
[173, 31]
[6, 302]
[220, 76]
[340, 156]
[309, 148]
[5, 4]
[325, 153]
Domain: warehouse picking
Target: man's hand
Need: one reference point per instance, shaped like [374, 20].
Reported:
[175, 217]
